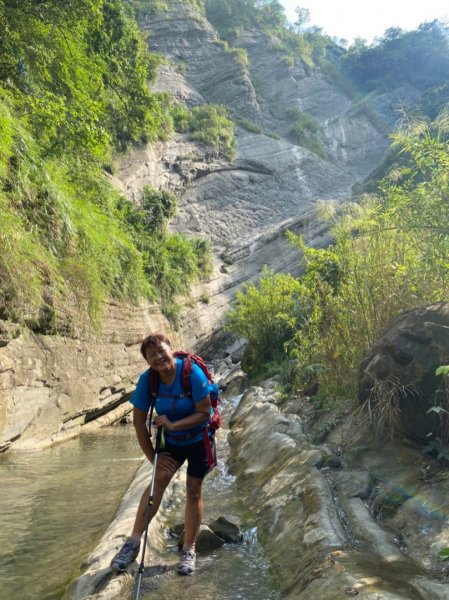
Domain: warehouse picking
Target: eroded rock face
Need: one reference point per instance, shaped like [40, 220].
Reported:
[245, 207]
[52, 387]
[399, 371]
[372, 527]
[276, 474]
[271, 180]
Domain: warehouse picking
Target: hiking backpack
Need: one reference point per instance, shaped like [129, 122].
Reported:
[188, 360]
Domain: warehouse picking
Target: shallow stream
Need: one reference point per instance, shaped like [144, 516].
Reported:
[233, 572]
[55, 504]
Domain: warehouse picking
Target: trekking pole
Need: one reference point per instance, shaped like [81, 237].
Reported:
[160, 443]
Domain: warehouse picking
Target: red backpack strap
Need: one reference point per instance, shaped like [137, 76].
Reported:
[200, 362]
[194, 359]
[186, 371]
[154, 383]
[188, 360]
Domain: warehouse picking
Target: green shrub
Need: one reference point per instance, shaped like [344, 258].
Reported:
[211, 125]
[181, 67]
[172, 312]
[249, 125]
[199, 4]
[174, 262]
[241, 56]
[268, 315]
[25, 266]
[304, 131]
[288, 60]
[158, 207]
[181, 118]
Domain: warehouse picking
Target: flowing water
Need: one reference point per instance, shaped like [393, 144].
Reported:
[233, 572]
[54, 506]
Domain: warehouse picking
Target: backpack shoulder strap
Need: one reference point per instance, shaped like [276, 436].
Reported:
[186, 371]
[154, 383]
[188, 360]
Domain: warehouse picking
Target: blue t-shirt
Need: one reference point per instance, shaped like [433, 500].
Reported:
[173, 402]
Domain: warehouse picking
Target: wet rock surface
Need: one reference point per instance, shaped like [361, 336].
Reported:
[371, 528]
[228, 528]
[223, 530]
[369, 525]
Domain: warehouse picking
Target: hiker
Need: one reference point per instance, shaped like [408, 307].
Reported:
[184, 418]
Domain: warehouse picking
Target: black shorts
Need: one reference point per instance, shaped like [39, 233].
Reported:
[199, 462]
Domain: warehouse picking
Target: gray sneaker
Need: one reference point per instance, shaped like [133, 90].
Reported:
[187, 564]
[126, 555]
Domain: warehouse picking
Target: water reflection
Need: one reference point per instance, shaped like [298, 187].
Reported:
[54, 506]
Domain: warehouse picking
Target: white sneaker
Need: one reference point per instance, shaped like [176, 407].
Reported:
[187, 564]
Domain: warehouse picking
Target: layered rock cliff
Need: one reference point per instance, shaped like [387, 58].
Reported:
[363, 522]
[53, 387]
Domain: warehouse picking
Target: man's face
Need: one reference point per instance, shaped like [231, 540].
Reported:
[159, 356]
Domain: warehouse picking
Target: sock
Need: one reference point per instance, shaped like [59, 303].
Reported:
[135, 537]
[189, 548]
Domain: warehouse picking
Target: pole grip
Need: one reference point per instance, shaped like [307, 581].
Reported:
[160, 440]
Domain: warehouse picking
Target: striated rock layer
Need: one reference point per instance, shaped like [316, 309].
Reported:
[366, 524]
[53, 387]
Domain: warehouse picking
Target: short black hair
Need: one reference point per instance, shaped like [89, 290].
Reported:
[153, 340]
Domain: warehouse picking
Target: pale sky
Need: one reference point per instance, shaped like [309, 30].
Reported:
[367, 19]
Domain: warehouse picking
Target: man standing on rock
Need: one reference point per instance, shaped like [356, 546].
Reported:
[184, 418]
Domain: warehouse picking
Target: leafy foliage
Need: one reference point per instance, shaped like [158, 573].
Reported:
[158, 207]
[73, 89]
[231, 17]
[175, 263]
[211, 125]
[419, 58]
[267, 315]
[80, 71]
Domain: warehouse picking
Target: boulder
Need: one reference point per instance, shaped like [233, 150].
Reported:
[235, 382]
[210, 537]
[228, 529]
[397, 380]
[206, 541]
